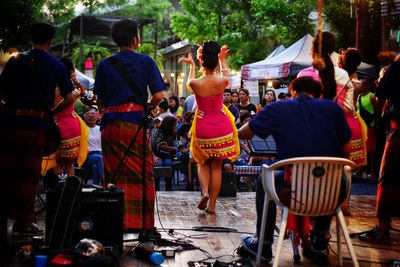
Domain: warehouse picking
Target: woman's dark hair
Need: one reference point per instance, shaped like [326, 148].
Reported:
[166, 127]
[123, 31]
[264, 102]
[68, 63]
[351, 59]
[184, 129]
[245, 91]
[174, 109]
[210, 53]
[306, 84]
[327, 74]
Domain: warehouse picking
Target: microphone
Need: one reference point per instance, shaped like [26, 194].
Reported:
[146, 252]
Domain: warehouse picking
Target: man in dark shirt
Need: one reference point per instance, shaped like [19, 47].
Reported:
[129, 162]
[302, 126]
[26, 92]
[228, 103]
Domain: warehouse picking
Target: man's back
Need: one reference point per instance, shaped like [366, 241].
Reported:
[303, 127]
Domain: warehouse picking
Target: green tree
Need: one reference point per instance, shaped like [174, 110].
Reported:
[344, 25]
[61, 11]
[16, 20]
[251, 28]
[95, 5]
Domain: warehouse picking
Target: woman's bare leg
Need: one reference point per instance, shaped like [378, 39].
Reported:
[215, 183]
[204, 179]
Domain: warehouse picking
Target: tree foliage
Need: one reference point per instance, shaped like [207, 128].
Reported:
[251, 28]
[16, 20]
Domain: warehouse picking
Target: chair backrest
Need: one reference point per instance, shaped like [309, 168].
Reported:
[315, 183]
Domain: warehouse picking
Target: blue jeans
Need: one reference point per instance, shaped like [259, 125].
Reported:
[94, 161]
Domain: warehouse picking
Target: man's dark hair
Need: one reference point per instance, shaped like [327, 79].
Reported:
[244, 116]
[164, 105]
[306, 85]
[123, 31]
[41, 33]
[228, 91]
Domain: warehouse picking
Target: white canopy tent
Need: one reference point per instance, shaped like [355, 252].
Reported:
[290, 62]
[85, 80]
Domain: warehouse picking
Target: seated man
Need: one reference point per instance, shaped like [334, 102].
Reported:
[302, 126]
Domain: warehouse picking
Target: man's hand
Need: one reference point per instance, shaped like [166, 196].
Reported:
[245, 132]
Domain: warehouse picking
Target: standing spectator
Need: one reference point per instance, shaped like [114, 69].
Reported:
[189, 106]
[164, 109]
[175, 109]
[164, 144]
[368, 108]
[22, 133]
[235, 98]
[387, 197]
[245, 104]
[269, 98]
[124, 116]
[228, 103]
[337, 86]
[182, 101]
[214, 135]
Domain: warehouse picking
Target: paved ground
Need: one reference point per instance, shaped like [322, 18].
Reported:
[177, 214]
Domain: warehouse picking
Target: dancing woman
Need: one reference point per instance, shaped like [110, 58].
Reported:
[214, 135]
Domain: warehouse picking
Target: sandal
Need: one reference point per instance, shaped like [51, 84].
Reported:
[374, 236]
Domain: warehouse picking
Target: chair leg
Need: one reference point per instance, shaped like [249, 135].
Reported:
[262, 230]
[339, 242]
[281, 236]
[343, 225]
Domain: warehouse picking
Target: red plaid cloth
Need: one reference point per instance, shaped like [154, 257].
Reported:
[116, 137]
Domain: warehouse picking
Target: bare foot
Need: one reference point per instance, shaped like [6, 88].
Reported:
[209, 211]
[203, 202]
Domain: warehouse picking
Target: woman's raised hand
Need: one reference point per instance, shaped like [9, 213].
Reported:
[223, 54]
[188, 60]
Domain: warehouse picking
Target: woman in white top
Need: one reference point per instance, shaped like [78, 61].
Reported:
[94, 159]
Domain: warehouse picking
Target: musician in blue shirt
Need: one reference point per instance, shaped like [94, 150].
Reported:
[302, 126]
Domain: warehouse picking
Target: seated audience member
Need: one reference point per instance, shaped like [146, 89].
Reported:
[164, 109]
[164, 145]
[303, 126]
[183, 152]
[94, 159]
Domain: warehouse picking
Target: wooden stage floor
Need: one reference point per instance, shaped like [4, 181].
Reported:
[177, 212]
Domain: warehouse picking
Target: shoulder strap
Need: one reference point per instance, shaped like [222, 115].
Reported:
[341, 89]
[117, 64]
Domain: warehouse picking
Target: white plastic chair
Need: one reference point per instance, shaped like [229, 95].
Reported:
[315, 188]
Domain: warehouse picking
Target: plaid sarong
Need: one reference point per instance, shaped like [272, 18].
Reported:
[20, 166]
[116, 137]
